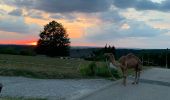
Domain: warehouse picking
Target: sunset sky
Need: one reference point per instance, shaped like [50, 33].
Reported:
[122, 23]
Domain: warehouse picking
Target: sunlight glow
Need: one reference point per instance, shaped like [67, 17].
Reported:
[32, 43]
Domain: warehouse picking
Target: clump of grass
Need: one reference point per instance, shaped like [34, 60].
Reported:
[100, 70]
[89, 70]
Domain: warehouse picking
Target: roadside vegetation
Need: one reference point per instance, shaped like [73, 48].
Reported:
[51, 68]
[40, 66]
[99, 69]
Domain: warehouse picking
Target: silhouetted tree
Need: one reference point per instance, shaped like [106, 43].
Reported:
[98, 55]
[109, 49]
[53, 40]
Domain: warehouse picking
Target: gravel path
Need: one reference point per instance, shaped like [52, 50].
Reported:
[154, 85]
[49, 88]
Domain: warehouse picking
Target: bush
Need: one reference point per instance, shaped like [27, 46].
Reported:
[103, 71]
[89, 70]
[100, 70]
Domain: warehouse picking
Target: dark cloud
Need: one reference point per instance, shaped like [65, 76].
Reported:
[165, 5]
[20, 3]
[67, 16]
[114, 31]
[143, 4]
[147, 5]
[61, 6]
[16, 12]
[111, 16]
[138, 4]
[88, 6]
[124, 3]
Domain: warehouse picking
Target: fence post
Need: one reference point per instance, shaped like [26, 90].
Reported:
[167, 58]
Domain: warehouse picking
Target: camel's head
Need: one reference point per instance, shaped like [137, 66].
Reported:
[113, 63]
[110, 56]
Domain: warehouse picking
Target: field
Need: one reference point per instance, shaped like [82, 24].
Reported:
[40, 66]
[51, 68]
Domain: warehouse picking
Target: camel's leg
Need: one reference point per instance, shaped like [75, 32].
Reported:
[136, 77]
[124, 77]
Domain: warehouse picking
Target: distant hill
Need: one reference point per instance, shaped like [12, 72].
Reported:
[77, 51]
[17, 49]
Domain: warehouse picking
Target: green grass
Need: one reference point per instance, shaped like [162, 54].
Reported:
[47, 67]
[40, 66]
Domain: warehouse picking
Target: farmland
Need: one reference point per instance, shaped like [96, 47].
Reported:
[40, 66]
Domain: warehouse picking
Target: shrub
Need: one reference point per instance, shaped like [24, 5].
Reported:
[89, 70]
[100, 70]
[103, 71]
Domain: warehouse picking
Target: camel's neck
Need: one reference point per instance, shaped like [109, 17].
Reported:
[112, 60]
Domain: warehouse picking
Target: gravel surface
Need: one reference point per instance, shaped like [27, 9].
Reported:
[142, 91]
[154, 85]
[49, 88]
[158, 74]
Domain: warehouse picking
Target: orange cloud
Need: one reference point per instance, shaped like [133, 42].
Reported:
[18, 42]
[40, 22]
[75, 29]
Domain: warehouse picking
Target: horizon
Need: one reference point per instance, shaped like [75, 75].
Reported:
[89, 47]
[132, 24]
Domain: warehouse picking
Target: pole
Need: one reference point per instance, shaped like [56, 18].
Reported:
[166, 58]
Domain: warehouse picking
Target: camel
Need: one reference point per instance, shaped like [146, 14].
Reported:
[130, 61]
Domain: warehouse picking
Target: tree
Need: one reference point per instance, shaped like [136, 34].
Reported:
[98, 55]
[53, 40]
[109, 49]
